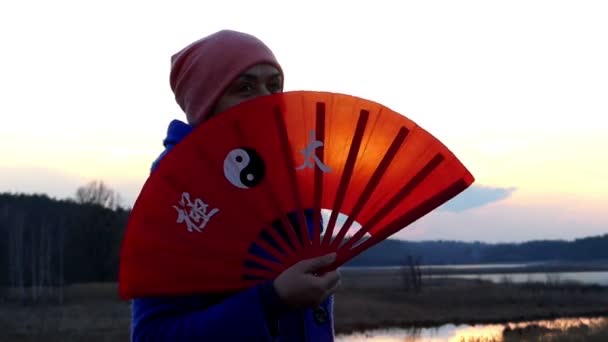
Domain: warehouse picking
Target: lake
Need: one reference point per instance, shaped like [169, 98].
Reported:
[458, 333]
[516, 273]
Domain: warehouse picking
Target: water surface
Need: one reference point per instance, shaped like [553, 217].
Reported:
[460, 333]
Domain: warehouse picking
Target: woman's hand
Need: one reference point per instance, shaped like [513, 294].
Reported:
[300, 288]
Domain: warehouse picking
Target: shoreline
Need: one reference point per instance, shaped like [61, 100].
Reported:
[383, 302]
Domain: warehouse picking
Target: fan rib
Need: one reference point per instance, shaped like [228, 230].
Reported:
[372, 183]
[273, 266]
[406, 219]
[293, 182]
[397, 198]
[271, 250]
[348, 172]
[280, 240]
[318, 180]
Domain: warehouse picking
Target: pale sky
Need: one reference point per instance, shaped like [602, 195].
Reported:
[517, 89]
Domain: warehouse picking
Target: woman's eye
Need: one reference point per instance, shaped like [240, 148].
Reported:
[245, 88]
[274, 87]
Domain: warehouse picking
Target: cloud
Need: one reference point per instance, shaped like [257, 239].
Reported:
[476, 196]
[507, 222]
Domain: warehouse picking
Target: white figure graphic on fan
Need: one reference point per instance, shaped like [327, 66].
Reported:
[310, 158]
[196, 218]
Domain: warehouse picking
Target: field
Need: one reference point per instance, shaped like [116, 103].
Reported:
[92, 312]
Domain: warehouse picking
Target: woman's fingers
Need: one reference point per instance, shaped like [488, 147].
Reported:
[314, 264]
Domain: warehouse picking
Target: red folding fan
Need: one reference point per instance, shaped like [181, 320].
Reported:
[239, 199]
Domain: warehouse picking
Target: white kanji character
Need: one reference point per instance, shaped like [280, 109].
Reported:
[196, 218]
[310, 158]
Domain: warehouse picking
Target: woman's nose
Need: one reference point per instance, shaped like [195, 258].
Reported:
[263, 90]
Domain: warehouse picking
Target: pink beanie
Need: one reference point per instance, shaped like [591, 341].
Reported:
[201, 72]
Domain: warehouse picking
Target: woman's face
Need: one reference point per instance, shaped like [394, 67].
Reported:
[259, 80]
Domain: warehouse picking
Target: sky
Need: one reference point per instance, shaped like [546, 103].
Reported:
[516, 89]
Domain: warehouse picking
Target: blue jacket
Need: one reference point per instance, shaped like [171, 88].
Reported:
[255, 314]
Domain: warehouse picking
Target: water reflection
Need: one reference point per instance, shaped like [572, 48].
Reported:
[464, 333]
[496, 273]
[596, 277]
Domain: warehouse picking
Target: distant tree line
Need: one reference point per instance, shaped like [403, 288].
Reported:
[46, 243]
[390, 252]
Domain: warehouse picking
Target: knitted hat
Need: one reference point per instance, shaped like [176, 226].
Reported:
[201, 72]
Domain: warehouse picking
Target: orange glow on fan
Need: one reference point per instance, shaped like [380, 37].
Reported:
[226, 207]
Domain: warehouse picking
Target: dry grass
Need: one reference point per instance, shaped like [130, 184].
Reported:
[93, 312]
[364, 304]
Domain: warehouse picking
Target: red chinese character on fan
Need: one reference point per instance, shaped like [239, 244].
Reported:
[197, 217]
[310, 158]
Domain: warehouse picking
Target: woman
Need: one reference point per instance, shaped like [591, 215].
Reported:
[207, 77]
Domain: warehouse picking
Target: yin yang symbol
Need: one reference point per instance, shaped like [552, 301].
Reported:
[244, 168]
